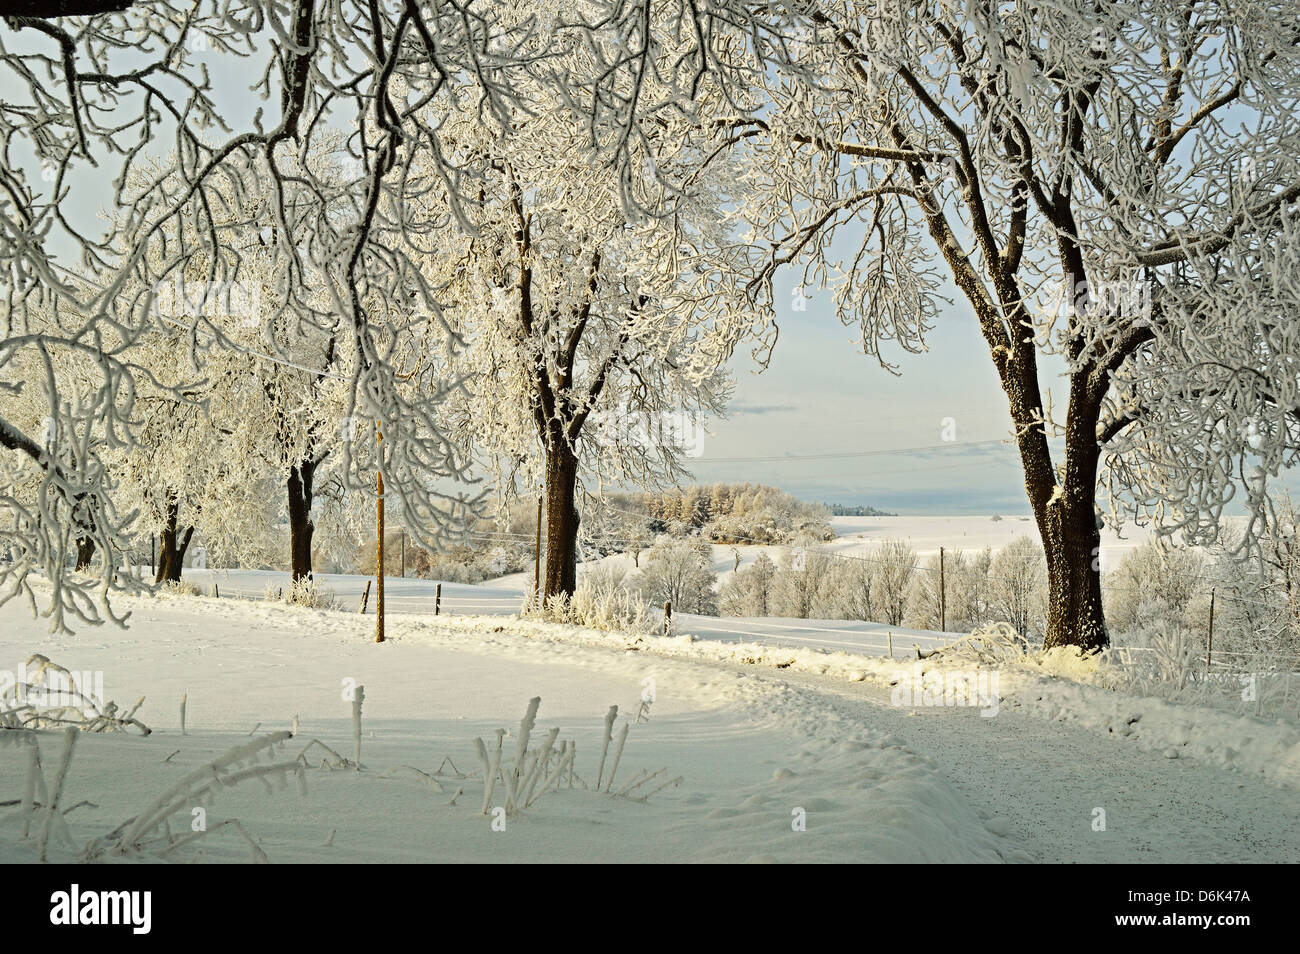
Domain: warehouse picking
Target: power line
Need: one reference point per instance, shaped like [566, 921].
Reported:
[853, 454]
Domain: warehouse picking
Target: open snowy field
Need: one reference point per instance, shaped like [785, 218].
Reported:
[856, 536]
[502, 599]
[762, 738]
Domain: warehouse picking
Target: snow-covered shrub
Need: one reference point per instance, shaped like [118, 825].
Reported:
[1152, 580]
[1257, 597]
[993, 644]
[680, 571]
[1170, 663]
[602, 600]
[1018, 586]
[306, 591]
[179, 588]
[749, 591]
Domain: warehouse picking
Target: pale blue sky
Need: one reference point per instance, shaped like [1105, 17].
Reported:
[822, 395]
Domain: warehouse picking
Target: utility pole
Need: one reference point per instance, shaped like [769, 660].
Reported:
[379, 540]
[537, 557]
[943, 602]
[1209, 650]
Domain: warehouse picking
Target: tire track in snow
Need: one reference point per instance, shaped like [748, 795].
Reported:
[1041, 780]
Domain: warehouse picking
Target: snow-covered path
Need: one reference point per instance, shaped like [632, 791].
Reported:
[755, 744]
[1043, 779]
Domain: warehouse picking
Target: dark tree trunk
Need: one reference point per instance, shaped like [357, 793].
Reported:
[85, 550]
[172, 544]
[1072, 541]
[1074, 609]
[561, 574]
[301, 527]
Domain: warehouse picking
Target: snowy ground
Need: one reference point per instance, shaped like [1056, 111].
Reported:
[498, 598]
[859, 535]
[757, 733]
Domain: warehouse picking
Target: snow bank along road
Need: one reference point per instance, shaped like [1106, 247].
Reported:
[505, 595]
[796, 763]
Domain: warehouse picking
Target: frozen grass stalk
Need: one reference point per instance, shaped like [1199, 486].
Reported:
[618, 755]
[606, 737]
[52, 803]
[525, 729]
[538, 769]
[356, 725]
[33, 777]
[489, 772]
[553, 780]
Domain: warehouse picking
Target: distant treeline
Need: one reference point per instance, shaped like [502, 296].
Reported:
[843, 510]
[736, 513]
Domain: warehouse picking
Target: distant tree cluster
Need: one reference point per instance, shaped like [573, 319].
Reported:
[889, 585]
[737, 513]
[1160, 591]
[680, 571]
[471, 560]
[844, 510]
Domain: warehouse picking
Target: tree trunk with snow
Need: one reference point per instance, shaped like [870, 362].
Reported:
[85, 550]
[562, 520]
[1065, 513]
[1071, 538]
[301, 527]
[172, 544]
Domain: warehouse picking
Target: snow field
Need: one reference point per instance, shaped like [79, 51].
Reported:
[754, 756]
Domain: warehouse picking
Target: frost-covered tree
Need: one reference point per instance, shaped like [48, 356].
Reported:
[893, 565]
[589, 341]
[681, 571]
[748, 592]
[855, 593]
[1153, 578]
[806, 581]
[1018, 586]
[1110, 187]
[97, 92]
[965, 596]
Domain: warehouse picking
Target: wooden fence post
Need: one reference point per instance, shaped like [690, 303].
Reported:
[1209, 649]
